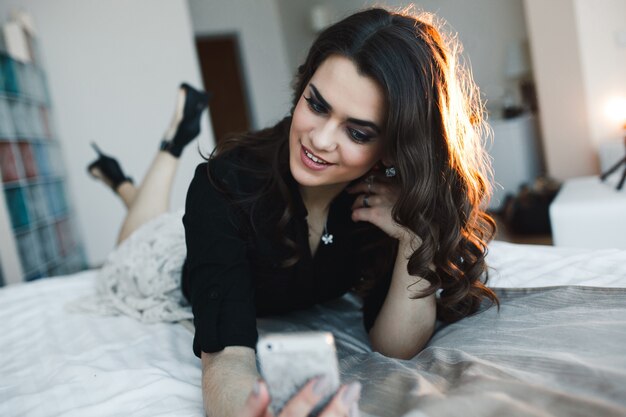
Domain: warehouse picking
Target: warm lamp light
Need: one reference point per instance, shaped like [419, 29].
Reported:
[616, 110]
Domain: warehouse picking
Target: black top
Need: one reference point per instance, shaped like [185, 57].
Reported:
[233, 271]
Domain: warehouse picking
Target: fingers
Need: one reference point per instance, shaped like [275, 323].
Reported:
[380, 186]
[374, 204]
[375, 187]
[345, 402]
[301, 404]
[370, 201]
[258, 401]
[373, 208]
[377, 211]
[376, 215]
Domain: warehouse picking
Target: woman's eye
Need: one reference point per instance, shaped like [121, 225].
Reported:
[358, 136]
[315, 106]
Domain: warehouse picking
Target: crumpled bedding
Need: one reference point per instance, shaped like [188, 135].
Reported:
[557, 351]
[550, 351]
[553, 351]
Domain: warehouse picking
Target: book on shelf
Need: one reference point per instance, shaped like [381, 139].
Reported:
[36, 202]
[8, 163]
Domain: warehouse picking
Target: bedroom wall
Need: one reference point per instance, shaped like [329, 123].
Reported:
[264, 60]
[602, 39]
[486, 28]
[113, 68]
[560, 88]
[579, 66]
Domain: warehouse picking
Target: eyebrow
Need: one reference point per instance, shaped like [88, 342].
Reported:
[359, 122]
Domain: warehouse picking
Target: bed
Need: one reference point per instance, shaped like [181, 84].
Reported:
[556, 347]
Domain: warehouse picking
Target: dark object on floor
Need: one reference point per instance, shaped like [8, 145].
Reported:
[511, 112]
[614, 168]
[528, 213]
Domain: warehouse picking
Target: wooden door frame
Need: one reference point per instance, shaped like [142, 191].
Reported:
[243, 73]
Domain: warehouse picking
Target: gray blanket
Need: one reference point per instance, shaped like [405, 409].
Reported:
[558, 351]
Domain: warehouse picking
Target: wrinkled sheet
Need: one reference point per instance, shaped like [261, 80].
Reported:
[527, 266]
[550, 351]
[557, 351]
[55, 363]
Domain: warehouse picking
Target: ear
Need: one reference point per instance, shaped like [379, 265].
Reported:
[387, 162]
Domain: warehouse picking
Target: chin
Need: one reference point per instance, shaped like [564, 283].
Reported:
[302, 177]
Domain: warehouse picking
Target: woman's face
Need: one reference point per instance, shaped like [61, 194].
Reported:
[337, 126]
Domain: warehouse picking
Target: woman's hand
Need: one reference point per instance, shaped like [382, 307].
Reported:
[344, 403]
[377, 196]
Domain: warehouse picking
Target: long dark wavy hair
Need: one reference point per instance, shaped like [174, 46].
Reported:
[433, 136]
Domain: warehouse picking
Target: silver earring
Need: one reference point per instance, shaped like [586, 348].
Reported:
[390, 172]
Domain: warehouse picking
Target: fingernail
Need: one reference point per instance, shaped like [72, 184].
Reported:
[256, 389]
[354, 410]
[351, 394]
[321, 385]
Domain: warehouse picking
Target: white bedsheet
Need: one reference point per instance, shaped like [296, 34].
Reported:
[528, 266]
[56, 363]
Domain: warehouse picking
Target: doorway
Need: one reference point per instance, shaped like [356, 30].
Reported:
[220, 63]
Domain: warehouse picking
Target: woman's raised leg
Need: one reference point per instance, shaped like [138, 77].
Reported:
[152, 197]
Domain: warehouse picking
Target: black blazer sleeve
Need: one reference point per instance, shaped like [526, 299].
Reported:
[217, 270]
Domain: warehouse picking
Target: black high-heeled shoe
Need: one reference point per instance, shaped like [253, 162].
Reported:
[107, 169]
[187, 128]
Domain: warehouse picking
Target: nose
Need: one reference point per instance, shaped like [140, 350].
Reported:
[324, 137]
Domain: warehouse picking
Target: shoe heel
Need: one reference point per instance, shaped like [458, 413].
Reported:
[195, 100]
[95, 163]
[95, 148]
[186, 126]
[108, 167]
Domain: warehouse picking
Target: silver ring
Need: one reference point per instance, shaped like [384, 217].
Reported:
[366, 204]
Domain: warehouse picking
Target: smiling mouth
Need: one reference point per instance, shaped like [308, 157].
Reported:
[314, 158]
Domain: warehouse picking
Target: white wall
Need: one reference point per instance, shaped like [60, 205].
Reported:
[603, 62]
[579, 67]
[113, 69]
[265, 67]
[485, 27]
[560, 88]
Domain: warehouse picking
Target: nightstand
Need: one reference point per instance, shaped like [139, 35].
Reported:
[589, 213]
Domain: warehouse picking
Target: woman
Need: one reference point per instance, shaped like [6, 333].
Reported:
[375, 181]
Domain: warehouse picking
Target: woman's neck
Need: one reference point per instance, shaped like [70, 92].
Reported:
[317, 199]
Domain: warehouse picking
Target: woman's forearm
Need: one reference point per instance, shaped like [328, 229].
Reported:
[227, 379]
[404, 325]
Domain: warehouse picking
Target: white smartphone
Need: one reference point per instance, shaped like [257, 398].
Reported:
[289, 360]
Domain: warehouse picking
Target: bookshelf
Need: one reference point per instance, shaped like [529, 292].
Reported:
[35, 209]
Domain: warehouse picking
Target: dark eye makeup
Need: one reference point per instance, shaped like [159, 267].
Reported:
[319, 107]
[315, 105]
[359, 136]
